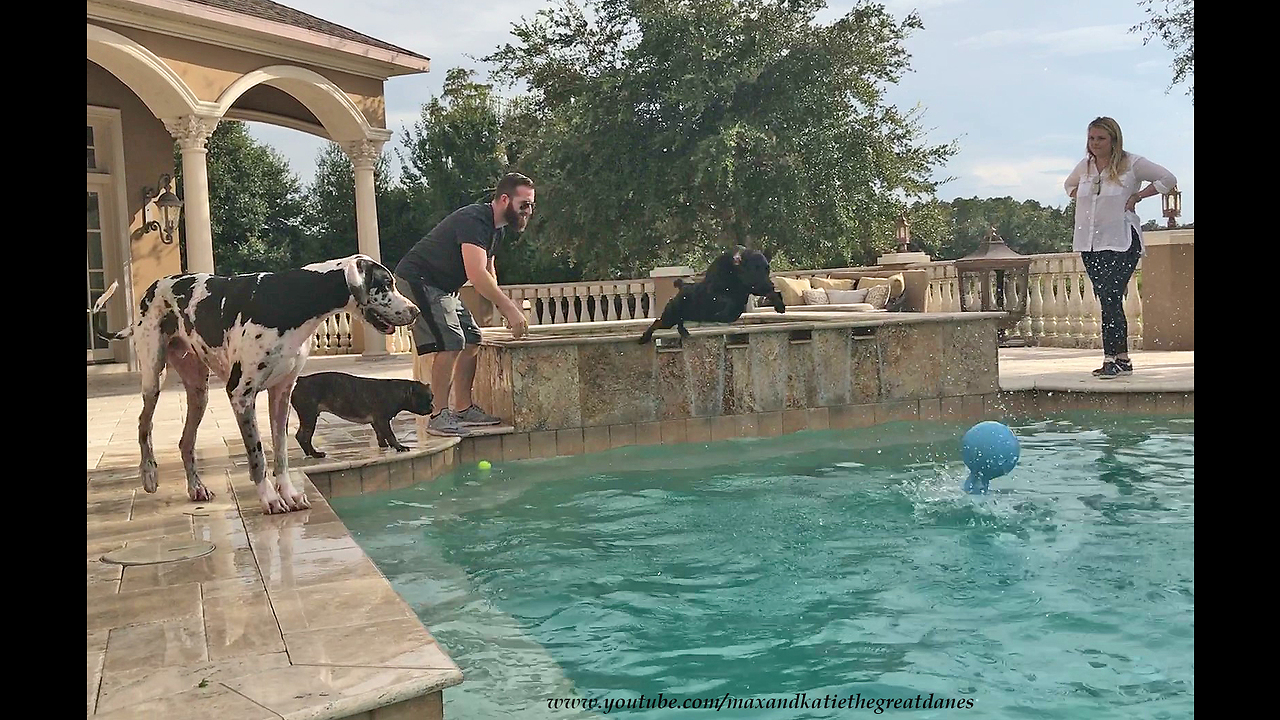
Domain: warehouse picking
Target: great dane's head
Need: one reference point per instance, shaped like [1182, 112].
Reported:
[373, 290]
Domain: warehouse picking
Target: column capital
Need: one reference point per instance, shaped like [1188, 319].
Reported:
[364, 154]
[191, 131]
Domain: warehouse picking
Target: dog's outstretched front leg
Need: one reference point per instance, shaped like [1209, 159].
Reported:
[775, 299]
[683, 332]
[278, 399]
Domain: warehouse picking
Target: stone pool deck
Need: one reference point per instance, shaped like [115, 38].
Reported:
[287, 617]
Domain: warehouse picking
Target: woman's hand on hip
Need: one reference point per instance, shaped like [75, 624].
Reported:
[1132, 202]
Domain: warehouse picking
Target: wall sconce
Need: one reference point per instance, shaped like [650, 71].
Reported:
[1172, 206]
[170, 207]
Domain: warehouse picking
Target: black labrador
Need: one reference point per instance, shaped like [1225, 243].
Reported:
[356, 399]
[721, 295]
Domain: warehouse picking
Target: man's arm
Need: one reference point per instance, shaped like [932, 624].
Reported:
[479, 272]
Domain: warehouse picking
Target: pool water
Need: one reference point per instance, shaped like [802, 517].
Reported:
[842, 563]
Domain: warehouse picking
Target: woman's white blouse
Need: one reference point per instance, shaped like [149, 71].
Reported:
[1102, 223]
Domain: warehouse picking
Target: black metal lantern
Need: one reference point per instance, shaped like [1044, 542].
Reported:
[995, 264]
[170, 206]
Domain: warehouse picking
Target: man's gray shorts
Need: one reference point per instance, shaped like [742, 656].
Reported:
[445, 323]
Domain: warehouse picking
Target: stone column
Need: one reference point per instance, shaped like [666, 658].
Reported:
[1169, 290]
[364, 156]
[191, 132]
[664, 284]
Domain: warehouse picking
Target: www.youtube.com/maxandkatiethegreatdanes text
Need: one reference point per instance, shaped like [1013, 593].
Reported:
[730, 702]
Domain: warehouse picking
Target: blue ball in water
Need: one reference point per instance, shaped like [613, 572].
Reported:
[990, 449]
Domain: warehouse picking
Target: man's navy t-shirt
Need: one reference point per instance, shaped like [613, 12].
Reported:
[437, 258]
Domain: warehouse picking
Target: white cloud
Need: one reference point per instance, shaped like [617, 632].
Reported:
[1068, 43]
[1038, 178]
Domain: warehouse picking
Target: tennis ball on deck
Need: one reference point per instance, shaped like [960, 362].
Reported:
[485, 465]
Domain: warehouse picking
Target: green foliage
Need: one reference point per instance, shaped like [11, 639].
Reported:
[951, 230]
[255, 203]
[453, 154]
[667, 131]
[332, 211]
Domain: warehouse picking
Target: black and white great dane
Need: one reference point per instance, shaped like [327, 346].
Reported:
[254, 332]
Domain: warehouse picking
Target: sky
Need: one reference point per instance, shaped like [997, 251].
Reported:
[1014, 82]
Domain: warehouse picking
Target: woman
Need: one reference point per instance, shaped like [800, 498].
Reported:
[1108, 233]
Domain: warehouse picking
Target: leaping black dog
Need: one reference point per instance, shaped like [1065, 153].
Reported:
[721, 295]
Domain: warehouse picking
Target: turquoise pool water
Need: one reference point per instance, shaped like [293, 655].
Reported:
[841, 563]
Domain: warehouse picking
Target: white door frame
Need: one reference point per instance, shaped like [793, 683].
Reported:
[100, 186]
[116, 193]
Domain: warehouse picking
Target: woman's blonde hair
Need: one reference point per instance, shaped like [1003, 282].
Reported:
[1119, 158]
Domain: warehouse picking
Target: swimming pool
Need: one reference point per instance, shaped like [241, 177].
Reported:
[842, 563]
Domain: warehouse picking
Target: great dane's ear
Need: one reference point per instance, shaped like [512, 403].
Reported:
[355, 270]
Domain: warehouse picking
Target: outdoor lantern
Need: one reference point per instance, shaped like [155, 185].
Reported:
[994, 263]
[170, 207]
[1172, 206]
[903, 232]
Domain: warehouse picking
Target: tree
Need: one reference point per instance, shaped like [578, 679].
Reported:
[1175, 26]
[255, 202]
[332, 211]
[668, 130]
[1150, 225]
[952, 230]
[462, 143]
[453, 149]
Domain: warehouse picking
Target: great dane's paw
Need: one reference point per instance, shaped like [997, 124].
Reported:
[315, 454]
[150, 477]
[270, 500]
[274, 507]
[293, 499]
[400, 448]
[199, 493]
[296, 501]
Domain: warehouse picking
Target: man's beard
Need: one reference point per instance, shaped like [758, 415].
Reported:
[514, 219]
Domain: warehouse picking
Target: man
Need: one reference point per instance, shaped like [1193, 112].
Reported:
[461, 248]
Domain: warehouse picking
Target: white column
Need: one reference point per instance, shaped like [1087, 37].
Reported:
[364, 156]
[191, 132]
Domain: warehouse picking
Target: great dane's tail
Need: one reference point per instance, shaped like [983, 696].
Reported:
[97, 308]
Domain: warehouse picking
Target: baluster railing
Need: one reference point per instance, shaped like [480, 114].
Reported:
[1062, 308]
[1035, 307]
[1092, 315]
[1133, 313]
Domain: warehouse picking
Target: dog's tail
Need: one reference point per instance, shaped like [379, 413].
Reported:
[97, 308]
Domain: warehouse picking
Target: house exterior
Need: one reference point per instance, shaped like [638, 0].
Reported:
[165, 72]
